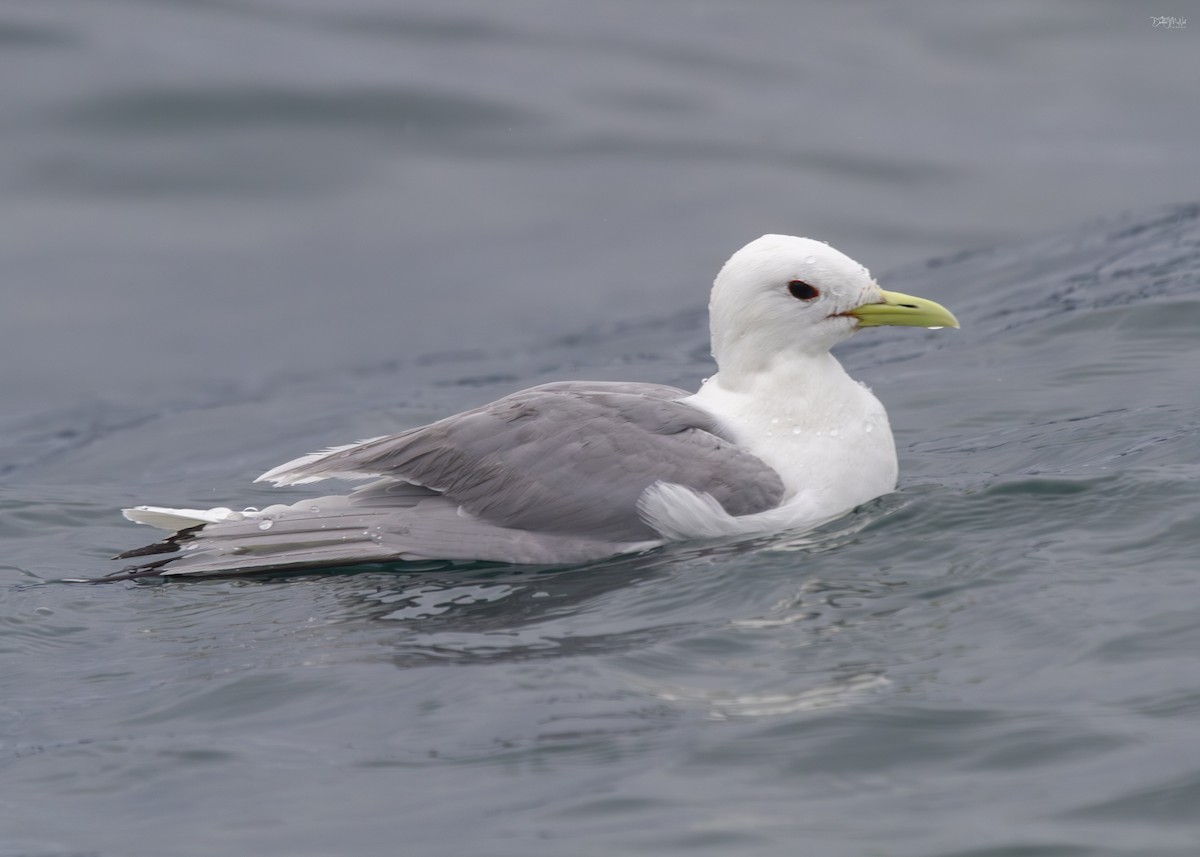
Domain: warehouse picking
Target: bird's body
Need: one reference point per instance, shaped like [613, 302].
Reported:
[780, 438]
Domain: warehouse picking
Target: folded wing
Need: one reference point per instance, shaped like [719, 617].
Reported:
[567, 458]
[551, 474]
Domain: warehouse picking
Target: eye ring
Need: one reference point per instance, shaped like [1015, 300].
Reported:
[802, 291]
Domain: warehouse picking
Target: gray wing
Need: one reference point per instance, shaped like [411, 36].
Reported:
[567, 459]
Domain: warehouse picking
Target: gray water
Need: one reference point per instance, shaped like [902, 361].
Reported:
[232, 232]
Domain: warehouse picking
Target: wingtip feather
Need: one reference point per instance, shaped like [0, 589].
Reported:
[299, 471]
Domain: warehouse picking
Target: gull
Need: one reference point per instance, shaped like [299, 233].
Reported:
[780, 438]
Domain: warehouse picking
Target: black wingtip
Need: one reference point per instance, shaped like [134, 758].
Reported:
[132, 572]
[167, 545]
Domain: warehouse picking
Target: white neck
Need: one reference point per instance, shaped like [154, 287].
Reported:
[802, 375]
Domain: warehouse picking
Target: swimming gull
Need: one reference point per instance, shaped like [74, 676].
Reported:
[779, 438]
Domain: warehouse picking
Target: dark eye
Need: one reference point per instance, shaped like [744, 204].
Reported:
[803, 291]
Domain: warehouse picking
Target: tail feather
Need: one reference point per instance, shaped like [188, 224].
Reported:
[323, 531]
[384, 522]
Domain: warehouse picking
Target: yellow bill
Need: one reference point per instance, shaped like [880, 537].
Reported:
[904, 310]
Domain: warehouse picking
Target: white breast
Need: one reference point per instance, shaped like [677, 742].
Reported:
[830, 441]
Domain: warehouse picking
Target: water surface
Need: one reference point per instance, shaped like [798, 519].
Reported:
[237, 231]
[1001, 655]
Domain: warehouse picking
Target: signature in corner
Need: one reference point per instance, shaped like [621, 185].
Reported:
[1168, 23]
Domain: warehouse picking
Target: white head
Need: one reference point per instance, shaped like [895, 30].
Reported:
[785, 295]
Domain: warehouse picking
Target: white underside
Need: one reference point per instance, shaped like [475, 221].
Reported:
[679, 513]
